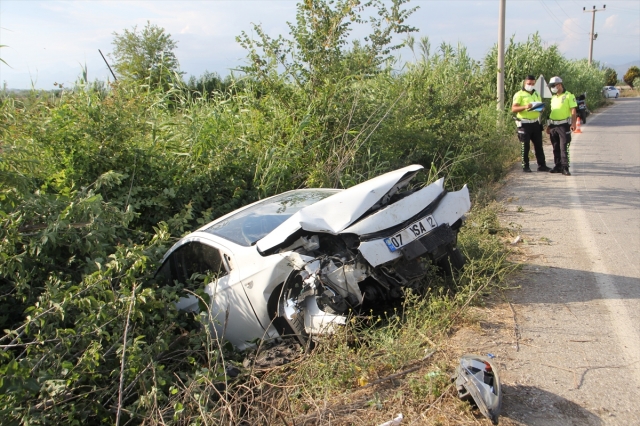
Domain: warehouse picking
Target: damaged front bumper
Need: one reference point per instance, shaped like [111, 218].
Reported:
[371, 260]
[446, 214]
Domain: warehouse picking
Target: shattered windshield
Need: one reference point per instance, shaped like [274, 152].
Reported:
[252, 224]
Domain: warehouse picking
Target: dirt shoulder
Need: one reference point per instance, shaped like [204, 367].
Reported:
[567, 336]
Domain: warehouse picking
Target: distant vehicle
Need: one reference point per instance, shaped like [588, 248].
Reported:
[610, 92]
[297, 263]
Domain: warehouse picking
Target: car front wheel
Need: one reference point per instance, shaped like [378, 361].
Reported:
[453, 261]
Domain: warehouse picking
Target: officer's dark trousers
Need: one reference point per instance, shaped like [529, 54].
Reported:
[560, 136]
[531, 132]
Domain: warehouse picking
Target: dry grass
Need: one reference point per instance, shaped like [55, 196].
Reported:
[630, 93]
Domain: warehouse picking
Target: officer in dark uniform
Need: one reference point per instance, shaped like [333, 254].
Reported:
[562, 121]
[528, 122]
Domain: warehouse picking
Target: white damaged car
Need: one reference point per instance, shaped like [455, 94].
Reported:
[297, 263]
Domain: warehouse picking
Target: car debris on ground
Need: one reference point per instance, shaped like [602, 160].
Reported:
[478, 382]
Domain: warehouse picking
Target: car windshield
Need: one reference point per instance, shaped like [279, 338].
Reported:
[252, 224]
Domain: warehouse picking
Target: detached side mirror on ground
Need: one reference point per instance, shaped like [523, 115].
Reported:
[477, 381]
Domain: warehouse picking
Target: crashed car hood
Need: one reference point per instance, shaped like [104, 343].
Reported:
[335, 213]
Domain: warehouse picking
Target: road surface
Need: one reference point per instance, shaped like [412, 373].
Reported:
[577, 313]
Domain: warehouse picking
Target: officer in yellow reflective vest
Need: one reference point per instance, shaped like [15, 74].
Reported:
[529, 126]
[562, 121]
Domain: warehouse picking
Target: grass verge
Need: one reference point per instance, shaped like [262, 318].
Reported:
[631, 93]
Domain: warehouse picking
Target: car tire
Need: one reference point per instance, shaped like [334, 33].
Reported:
[616, 95]
[281, 325]
[453, 261]
[274, 354]
[457, 259]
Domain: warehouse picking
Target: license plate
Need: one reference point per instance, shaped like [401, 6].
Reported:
[411, 233]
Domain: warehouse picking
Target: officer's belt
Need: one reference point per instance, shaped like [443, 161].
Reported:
[525, 121]
[566, 120]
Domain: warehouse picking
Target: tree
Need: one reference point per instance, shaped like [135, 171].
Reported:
[145, 57]
[208, 83]
[631, 74]
[318, 49]
[610, 77]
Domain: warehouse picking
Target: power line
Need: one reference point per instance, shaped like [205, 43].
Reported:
[624, 8]
[556, 20]
[619, 35]
[567, 15]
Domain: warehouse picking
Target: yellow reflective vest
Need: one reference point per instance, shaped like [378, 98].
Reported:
[524, 98]
[561, 106]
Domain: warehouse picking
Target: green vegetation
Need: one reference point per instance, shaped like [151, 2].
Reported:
[145, 57]
[97, 182]
[533, 57]
[610, 77]
[631, 75]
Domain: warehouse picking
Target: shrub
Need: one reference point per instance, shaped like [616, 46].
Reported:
[631, 74]
[610, 77]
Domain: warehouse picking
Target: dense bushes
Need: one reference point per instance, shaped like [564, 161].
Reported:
[96, 184]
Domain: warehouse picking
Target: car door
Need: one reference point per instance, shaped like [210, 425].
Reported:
[230, 312]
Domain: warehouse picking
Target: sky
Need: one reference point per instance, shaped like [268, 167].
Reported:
[47, 42]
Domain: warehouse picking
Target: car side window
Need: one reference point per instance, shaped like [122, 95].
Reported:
[194, 258]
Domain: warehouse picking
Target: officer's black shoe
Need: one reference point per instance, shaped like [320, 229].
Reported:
[543, 168]
[526, 169]
[555, 170]
[566, 172]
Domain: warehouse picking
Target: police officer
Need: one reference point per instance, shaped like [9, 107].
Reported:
[562, 121]
[529, 126]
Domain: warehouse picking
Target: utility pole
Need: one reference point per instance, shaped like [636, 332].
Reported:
[503, 6]
[592, 35]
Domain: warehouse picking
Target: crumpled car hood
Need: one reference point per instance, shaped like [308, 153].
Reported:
[337, 212]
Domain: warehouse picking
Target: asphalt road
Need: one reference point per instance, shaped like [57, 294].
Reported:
[577, 313]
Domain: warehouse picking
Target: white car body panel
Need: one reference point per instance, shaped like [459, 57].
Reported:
[451, 208]
[248, 315]
[232, 316]
[376, 252]
[399, 211]
[333, 214]
[317, 321]
[260, 280]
